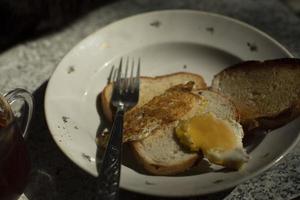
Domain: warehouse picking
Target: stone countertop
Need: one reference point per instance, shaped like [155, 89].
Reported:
[30, 64]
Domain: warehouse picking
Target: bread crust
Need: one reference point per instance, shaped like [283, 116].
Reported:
[252, 64]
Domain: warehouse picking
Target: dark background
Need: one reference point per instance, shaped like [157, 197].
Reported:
[25, 19]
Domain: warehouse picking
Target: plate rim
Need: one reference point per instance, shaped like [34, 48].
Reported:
[180, 11]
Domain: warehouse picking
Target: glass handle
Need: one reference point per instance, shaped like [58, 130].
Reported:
[27, 98]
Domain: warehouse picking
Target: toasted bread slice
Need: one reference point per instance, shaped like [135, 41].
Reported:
[161, 154]
[151, 87]
[267, 94]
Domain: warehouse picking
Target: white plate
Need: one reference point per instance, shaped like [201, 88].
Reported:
[166, 41]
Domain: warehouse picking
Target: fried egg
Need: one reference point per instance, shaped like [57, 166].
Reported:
[220, 140]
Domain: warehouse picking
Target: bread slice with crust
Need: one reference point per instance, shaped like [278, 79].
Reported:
[151, 87]
[267, 94]
[160, 153]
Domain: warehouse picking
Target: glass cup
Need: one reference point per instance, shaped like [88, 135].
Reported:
[14, 159]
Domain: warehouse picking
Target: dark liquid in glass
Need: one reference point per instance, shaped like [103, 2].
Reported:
[14, 163]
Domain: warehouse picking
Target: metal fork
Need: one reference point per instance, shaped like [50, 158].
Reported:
[124, 96]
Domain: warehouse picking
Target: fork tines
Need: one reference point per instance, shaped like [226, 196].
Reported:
[121, 79]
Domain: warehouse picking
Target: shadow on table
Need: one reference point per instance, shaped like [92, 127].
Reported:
[28, 19]
[54, 176]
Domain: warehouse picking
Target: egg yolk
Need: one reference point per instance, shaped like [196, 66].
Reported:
[206, 132]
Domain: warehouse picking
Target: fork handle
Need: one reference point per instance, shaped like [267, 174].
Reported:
[108, 184]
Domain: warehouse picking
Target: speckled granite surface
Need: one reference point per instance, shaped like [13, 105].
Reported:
[30, 64]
